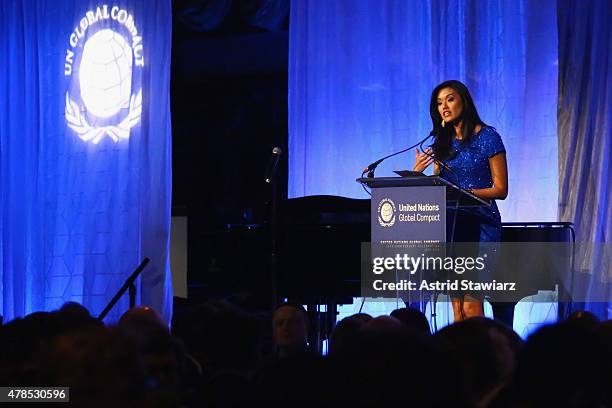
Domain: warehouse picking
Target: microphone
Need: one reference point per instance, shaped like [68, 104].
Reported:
[452, 155]
[440, 162]
[372, 166]
[273, 163]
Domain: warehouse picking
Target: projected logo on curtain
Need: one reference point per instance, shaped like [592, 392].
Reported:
[104, 61]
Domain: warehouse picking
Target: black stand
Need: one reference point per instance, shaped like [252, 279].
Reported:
[273, 244]
[128, 285]
[272, 180]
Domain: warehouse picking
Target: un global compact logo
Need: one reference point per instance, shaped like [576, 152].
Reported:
[386, 212]
[104, 61]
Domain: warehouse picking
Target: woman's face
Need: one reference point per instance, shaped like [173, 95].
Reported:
[450, 105]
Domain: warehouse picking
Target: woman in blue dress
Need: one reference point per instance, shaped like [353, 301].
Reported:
[475, 153]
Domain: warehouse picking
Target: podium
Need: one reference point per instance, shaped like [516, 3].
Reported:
[409, 219]
[414, 208]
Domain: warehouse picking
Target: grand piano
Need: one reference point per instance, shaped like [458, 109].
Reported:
[319, 248]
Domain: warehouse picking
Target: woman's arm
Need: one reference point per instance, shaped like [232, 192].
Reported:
[499, 174]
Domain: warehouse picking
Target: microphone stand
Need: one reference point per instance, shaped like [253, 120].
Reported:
[273, 244]
[272, 181]
[128, 285]
[372, 167]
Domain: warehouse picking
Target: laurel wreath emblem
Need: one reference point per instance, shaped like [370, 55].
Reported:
[86, 132]
[381, 220]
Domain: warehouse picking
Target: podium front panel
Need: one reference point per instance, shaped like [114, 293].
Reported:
[408, 215]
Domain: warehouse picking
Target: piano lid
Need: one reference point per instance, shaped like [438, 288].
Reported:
[325, 209]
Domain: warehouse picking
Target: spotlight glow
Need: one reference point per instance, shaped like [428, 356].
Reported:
[105, 73]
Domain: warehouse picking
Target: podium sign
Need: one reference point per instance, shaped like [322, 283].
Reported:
[413, 209]
[408, 215]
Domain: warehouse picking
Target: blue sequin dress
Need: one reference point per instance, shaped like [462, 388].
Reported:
[471, 165]
[475, 224]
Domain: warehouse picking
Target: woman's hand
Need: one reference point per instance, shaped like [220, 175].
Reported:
[422, 160]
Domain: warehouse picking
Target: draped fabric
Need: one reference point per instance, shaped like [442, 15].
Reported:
[85, 153]
[585, 138]
[208, 15]
[361, 74]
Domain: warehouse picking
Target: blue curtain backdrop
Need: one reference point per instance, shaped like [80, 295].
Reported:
[85, 153]
[361, 73]
[585, 140]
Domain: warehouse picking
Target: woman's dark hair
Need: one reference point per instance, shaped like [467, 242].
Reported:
[444, 135]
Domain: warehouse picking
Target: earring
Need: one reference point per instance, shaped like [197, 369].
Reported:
[443, 123]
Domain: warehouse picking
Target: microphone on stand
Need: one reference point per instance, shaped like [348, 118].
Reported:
[372, 166]
[438, 161]
[273, 163]
[273, 223]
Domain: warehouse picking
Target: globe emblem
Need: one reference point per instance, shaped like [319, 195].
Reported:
[386, 212]
[105, 73]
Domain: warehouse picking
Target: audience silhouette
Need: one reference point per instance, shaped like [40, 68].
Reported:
[216, 356]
